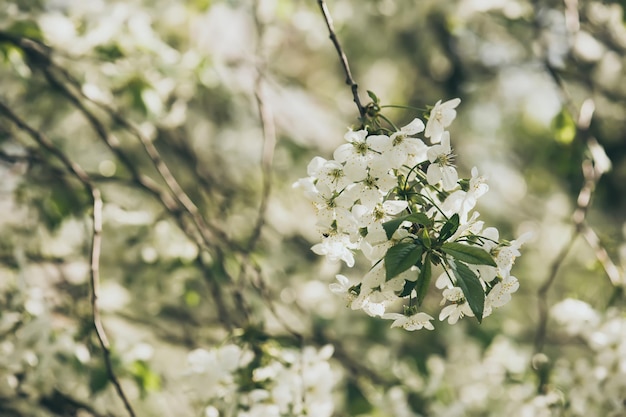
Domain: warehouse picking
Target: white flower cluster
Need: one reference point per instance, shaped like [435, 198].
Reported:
[277, 382]
[401, 203]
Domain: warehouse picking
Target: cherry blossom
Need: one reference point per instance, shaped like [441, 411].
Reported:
[441, 116]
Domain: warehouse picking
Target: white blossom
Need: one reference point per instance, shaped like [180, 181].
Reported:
[462, 202]
[336, 247]
[356, 155]
[396, 149]
[441, 166]
[575, 315]
[441, 116]
[458, 309]
[411, 323]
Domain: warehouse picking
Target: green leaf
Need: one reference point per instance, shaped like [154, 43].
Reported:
[449, 228]
[469, 254]
[392, 225]
[147, 380]
[26, 28]
[564, 127]
[373, 96]
[472, 288]
[423, 280]
[408, 287]
[192, 298]
[401, 257]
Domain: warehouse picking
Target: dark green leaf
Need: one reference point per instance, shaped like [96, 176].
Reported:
[401, 257]
[449, 228]
[392, 225]
[469, 254]
[408, 287]
[423, 281]
[472, 288]
[373, 96]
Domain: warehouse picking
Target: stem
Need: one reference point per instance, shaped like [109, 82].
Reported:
[395, 106]
[342, 58]
[444, 261]
[389, 121]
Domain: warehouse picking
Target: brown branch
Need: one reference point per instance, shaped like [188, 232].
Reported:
[610, 269]
[209, 233]
[205, 237]
[112, 143]
[542, 294]
[342, 57]
[40, 57]
[592, 173]
[269, 135]
[269, 143]
[96, 242]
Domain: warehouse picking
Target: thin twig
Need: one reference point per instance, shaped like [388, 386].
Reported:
[269, 143]
[96, 242]
[40, 57]
[224, 316]
[591, 174]
[209, 232]
[342, 57]
[205, 236]
[542, 294]
[94, 263]
[610, 269]
[268, 129]
[113, 144]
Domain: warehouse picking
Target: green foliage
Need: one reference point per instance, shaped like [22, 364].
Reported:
[564, 127]
[147, 380]
[472, 288]
[26, 28]
[448, 229]
[469, 254]
[401, 257]
[418, 218]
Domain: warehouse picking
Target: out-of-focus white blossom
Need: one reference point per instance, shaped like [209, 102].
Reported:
[575, 316]
[291, 382]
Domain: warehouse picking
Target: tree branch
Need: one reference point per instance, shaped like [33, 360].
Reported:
[342, 57]
[96, 241]
[592, 172]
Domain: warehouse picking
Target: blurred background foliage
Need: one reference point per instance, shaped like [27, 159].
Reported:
[183, 79]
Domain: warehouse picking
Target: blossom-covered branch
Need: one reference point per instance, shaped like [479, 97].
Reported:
[401, 203]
